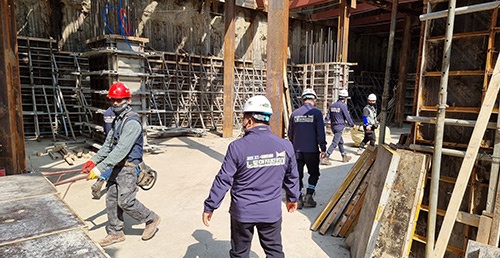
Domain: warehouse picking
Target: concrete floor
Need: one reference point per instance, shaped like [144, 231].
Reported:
[186, 170]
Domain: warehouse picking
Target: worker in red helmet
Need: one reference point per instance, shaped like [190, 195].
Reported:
[122, 151]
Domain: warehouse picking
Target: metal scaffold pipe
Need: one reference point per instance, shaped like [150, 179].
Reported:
[438, 142]
[461, 10]
[387, 78]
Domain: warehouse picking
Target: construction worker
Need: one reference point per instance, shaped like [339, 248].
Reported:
[338, 114]
[108, 117]
[122, 151]
[306, 131]
[256, 168]
[370, 123]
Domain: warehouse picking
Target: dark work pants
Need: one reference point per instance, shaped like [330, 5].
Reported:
[121, 198]
[337, 141]
[269, 236]
[311, 161]
[369, 137]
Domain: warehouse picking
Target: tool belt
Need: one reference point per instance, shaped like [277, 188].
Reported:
[146, 176]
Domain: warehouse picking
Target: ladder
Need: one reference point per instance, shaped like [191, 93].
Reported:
[463, 77]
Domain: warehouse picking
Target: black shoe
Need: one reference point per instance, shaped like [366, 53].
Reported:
[309, 202]
[300, 202]
[96, 188]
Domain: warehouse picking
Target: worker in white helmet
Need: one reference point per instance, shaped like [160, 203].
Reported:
[370, 123]
[256, 170]
[338, 115]
[306, 131]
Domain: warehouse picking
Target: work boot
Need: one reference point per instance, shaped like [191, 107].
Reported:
[300, 202]
[309, 202]
[325, 161]
[111, 239]
[96, 188]
[346, 158]
[150, 229]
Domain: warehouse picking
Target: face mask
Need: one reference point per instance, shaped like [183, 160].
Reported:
[244, 126]
[372, 104]
[117, 109]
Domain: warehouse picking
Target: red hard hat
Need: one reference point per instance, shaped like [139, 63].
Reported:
[118, 91]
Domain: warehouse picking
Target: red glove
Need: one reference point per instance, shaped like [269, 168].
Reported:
[88, 166]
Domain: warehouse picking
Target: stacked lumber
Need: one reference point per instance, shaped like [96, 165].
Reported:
[343, 207]
[378, 204]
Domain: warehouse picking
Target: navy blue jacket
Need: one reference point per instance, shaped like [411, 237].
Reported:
[338, 114]
[109, 117]
[306, 129]
[256, 168]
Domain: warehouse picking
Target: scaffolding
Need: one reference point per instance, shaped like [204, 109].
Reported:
[64, 94]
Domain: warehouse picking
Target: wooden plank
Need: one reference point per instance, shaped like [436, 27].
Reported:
[336, 196]
[71, 243]
[381, 178]
[468, 162]
[346, 196]
[457, 73]
[415, 212]
[351, 212]
[462, 216]
[449, 248]
[483, 232]
[495, 166]
[396, 223]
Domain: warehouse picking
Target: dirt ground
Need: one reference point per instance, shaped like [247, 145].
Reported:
[186, 168]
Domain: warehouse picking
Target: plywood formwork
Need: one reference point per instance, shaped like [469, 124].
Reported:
[364, 236]
[34, 218]
[474, 47]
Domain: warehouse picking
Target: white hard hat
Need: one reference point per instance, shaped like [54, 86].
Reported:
[372, 97]
[343, 94]
[309, 93]
[258, 104]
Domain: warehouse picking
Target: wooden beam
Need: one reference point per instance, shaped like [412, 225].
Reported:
[468, 163]
[277, 46]
[456, 73]
[343, 33]
[298, 4]
[483, 232]
[335, 13]
[229, 46]
[12, 150]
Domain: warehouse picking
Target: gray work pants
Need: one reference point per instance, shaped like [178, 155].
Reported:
[121, 198]
[337, 141]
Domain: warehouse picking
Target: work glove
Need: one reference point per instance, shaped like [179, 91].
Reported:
[89, 165]
[94, 174]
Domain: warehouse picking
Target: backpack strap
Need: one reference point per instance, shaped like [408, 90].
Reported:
[127, 116]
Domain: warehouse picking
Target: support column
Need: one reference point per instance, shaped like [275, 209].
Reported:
[12, 149]
[229, 44]
[387, 78]
[277, 45]
[343, 33]
[403, 71]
